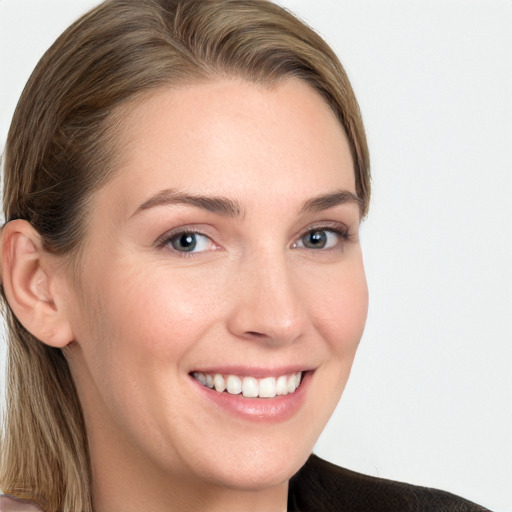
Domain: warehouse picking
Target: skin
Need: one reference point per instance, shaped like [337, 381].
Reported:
[253, 295]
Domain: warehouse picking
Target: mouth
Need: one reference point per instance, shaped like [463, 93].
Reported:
[250, 387]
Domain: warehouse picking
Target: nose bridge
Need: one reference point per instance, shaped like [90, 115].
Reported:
[267, 302]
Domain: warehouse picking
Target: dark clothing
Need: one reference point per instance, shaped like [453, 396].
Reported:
[324, 487]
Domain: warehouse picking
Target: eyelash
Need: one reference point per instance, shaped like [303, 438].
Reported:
[341, 231]
[166, 240]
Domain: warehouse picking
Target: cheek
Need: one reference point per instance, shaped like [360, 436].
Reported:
[341, 309]
[135, 335]
[151, 319]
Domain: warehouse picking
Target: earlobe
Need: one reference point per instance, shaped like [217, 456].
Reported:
[29, 277]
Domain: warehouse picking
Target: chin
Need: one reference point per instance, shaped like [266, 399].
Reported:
[253, 479]
[258, 469]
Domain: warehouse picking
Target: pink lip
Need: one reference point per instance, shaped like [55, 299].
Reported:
[275, 409]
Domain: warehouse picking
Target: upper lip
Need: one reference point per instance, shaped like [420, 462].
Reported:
[257, 372]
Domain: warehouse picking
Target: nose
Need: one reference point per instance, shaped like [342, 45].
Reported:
[266, 302]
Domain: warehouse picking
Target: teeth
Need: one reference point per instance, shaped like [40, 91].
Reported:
[292, 384]
[250, 387]
[219, 382]
[201, 377]
[268, 387]
[234, 385]
[282, 385]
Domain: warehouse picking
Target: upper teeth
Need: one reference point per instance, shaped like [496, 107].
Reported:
[250, 387]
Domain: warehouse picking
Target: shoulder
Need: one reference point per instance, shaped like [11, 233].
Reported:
[11, 504]
[322, 486]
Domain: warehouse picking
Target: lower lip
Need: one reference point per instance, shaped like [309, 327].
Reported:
[275, 409]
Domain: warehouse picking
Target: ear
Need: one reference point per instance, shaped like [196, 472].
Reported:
[33, 284]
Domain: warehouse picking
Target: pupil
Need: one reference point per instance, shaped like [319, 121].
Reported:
[316, 239]
[185, 242]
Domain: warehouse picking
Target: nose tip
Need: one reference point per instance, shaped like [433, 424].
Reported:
[268, 309]
[277, 329]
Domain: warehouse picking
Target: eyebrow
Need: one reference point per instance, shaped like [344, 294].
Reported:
[231, 207]
[330, 200]
[221, 205]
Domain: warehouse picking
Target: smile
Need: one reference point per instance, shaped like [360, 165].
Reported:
[250, 387]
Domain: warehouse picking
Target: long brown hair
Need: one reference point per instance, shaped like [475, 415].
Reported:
[61, 148]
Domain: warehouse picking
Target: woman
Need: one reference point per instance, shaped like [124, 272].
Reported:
[184, 183]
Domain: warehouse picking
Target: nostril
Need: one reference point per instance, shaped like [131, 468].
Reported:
[256, 334]
[279, 318]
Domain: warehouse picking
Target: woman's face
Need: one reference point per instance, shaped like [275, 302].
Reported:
[224, 251]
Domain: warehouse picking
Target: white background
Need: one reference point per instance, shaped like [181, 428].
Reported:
[430, 397]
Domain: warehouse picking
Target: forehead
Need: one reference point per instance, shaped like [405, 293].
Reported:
[233, 135]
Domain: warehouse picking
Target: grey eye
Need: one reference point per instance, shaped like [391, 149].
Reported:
[320, 239]
[189, 242]
[315, 239]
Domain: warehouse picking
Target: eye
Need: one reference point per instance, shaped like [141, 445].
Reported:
[189, 242]
[321, 239]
